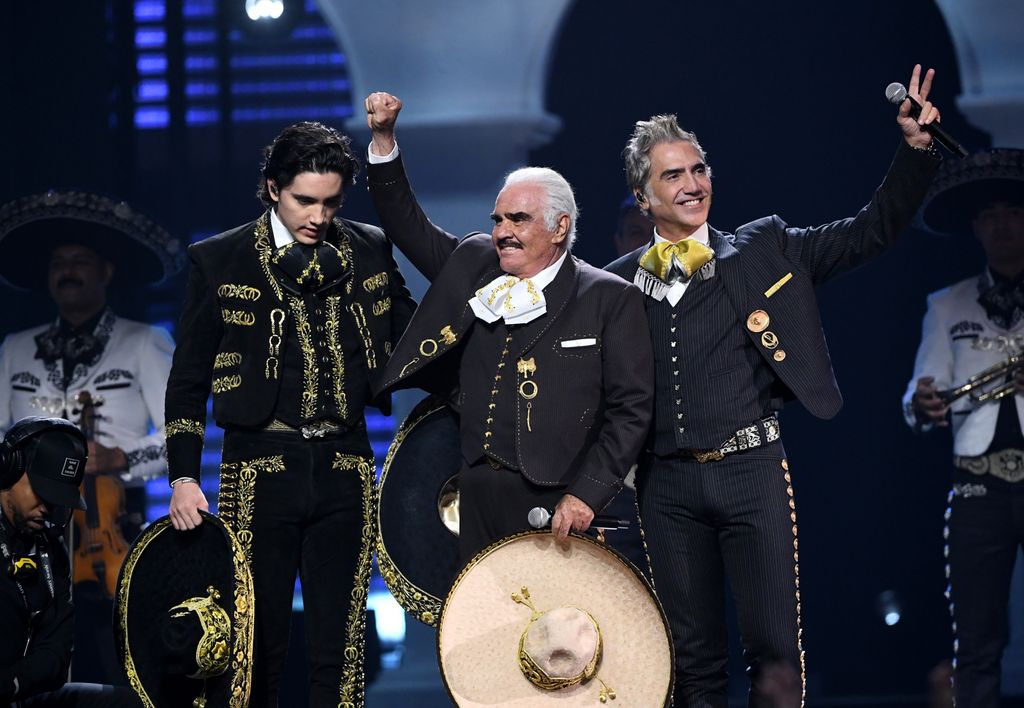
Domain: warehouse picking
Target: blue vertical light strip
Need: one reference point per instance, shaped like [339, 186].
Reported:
[150, 40]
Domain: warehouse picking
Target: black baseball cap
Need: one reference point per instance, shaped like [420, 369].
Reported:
[55, 466]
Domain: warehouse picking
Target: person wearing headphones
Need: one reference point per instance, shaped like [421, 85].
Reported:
[42, 461]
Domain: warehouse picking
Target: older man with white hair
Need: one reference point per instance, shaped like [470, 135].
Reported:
[547, 360]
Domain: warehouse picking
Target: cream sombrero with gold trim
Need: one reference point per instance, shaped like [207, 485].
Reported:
[531, 622]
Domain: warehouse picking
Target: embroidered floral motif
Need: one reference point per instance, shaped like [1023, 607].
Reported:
[184, 425]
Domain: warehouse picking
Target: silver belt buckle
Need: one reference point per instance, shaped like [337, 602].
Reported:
[317, 430]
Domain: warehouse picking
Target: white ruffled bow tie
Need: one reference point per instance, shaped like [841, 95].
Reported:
[515, 300]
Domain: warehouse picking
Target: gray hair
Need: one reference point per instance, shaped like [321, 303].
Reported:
[646, 134]
[560, 199]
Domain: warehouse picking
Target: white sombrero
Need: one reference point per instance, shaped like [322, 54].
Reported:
[531, 622]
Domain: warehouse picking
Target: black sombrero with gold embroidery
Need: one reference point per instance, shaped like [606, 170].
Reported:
[418, 509]
[142, 252]
[184, 617]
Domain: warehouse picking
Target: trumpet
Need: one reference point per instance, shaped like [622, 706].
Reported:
[975, 387]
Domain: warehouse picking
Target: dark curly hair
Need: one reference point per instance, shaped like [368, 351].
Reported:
[306, 147]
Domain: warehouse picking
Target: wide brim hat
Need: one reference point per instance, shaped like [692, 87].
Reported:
[143, 253]
[168, 569]
[963, 187]
[495, 598]
[417, 511]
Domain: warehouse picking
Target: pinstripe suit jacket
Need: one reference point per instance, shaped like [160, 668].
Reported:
[769, 266]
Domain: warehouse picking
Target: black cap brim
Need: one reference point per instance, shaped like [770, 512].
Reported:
[56, 493]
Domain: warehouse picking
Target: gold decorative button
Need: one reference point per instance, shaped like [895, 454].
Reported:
[779, 355]
[769, 340]
[785, 465]
[758, 321]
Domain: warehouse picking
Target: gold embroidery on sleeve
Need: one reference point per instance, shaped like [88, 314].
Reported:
[184, 425]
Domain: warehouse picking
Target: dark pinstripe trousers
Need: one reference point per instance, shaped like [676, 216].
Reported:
[701, 522]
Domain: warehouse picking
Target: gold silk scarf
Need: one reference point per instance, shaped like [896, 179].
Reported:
[688, 255]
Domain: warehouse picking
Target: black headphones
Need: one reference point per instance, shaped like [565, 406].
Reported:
[12, 462]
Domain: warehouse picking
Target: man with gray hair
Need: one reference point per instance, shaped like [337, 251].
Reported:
[736, 332]
[546, 359]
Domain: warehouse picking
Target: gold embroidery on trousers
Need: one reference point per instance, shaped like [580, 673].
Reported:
[240, 292]
[381, 307]
[184, 425]
[236, 504]
[238, 317]
[375, 282]
[310, 370]
[226, 383]
[364, 333]
[352, 680]
[337, 355]
[226, 359]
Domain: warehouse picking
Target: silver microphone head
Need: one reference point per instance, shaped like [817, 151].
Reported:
[538, 517]
[896, 92]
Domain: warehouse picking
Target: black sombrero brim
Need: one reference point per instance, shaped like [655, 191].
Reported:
[952, 210]
[142, 252]
[418, 556]
[963, 187]
[163, 568]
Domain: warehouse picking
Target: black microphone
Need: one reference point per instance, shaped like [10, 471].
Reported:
[539, 518]
[897, 93]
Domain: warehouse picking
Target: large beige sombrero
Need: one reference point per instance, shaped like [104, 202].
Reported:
[531, 622]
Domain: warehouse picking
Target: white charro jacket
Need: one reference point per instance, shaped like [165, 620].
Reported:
[129, 377]
[958, 341]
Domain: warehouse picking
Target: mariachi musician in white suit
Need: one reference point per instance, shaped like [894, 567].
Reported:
[971, 328]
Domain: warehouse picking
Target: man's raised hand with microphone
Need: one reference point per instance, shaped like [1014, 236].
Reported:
[912, 122]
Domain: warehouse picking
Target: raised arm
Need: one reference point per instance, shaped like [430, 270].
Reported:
[424, 244]
[832, 249]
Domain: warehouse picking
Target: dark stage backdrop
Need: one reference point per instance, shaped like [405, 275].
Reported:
[787, 98]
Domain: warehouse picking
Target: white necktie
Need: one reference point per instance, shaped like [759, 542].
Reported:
[510, 298]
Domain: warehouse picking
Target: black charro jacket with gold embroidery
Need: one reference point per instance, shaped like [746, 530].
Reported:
[593, 375]
[234, 330]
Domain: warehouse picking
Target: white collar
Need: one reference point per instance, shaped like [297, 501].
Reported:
[544, 278]
[282, 236]
[701, 235]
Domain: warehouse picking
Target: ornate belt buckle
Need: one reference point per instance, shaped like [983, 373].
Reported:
[317, 430]
[703, 456]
